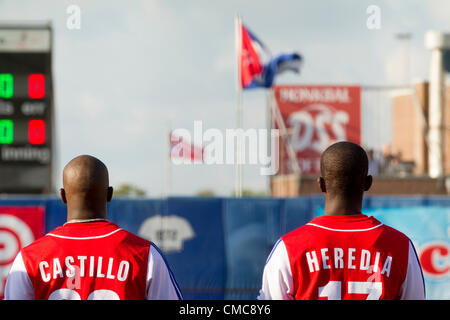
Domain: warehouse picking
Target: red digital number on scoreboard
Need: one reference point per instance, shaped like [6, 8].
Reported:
[36, 86]
[36, 131]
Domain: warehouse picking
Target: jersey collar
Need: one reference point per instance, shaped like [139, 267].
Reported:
[354, 222]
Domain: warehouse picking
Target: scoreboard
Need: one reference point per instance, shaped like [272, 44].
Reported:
[26, 109]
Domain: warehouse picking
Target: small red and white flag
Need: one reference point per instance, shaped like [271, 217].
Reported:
[182, 148]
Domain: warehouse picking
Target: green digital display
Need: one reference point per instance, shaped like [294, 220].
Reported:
[6, 131]
[6, 85]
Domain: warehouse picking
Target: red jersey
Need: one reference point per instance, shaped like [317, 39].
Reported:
[90, 260]
[343, 257]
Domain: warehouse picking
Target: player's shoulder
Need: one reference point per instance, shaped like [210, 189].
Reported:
[297, 232]
[38, 247]
[134, 240]
[393, 234]
[298, 237]
[301, 232]
[45, 240]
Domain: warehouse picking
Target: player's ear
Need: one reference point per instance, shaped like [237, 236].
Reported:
[110, 194]
[321, 184]
[368, 183]
[62, 194]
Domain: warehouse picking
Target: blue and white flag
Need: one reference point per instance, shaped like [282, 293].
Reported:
[279, 64]
[258, 67]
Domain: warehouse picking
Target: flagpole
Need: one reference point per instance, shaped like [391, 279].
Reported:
[275, 124]
[287, 142]
[239, 154]
[270, 126]
[239, 111]
[168, 160]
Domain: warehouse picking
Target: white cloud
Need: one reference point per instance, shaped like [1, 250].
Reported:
[91, 107]
[405, 63]
[439, 12]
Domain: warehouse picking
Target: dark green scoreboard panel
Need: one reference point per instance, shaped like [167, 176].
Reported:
[26, 110]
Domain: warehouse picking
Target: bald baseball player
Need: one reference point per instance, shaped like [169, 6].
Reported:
[89, 257]
[344, 254]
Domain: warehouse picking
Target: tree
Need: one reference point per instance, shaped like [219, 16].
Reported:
[252, 193]
[205, 193]
[129, 190]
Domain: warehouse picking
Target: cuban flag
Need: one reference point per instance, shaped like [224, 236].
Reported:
[257, 67]
[182, 149]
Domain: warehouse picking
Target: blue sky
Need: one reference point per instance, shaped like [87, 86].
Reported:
[134, 65]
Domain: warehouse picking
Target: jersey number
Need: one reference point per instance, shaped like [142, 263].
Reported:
[69, 294]
[332, 290]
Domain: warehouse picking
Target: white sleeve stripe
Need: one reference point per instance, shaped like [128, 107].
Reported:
[273, 250]
[18, 282]
[172, 278]
[420, 267]
[413, 287]
[277, 282]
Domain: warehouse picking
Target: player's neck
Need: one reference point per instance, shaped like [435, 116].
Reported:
[74, 214]
[342, 206]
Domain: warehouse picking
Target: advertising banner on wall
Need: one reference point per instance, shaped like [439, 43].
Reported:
[427, 227]
[189, 231]
[217, 247]
[19, 226]
[315, 117]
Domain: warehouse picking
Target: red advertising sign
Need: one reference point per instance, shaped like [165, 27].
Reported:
[432, 256]
[315, 118]
[19, 226]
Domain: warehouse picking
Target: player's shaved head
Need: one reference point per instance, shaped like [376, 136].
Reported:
[86, 187]
[85, 174]
[344, 167]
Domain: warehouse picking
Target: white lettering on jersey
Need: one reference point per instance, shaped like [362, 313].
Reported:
[109, 274]
[365, 260]
[99, 268]
[91, 266]
[387, 266]
[81, 259]
[122, 274]
[351, 258]
[338, 261]
[325, 258]
[70, 272]
[76, 268]
[364, 263]
[57, 269]
[313, 264]
[45, 276]
[376, 263]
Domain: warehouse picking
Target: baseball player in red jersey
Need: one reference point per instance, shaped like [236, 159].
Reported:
[343, 254]
[89, 257]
